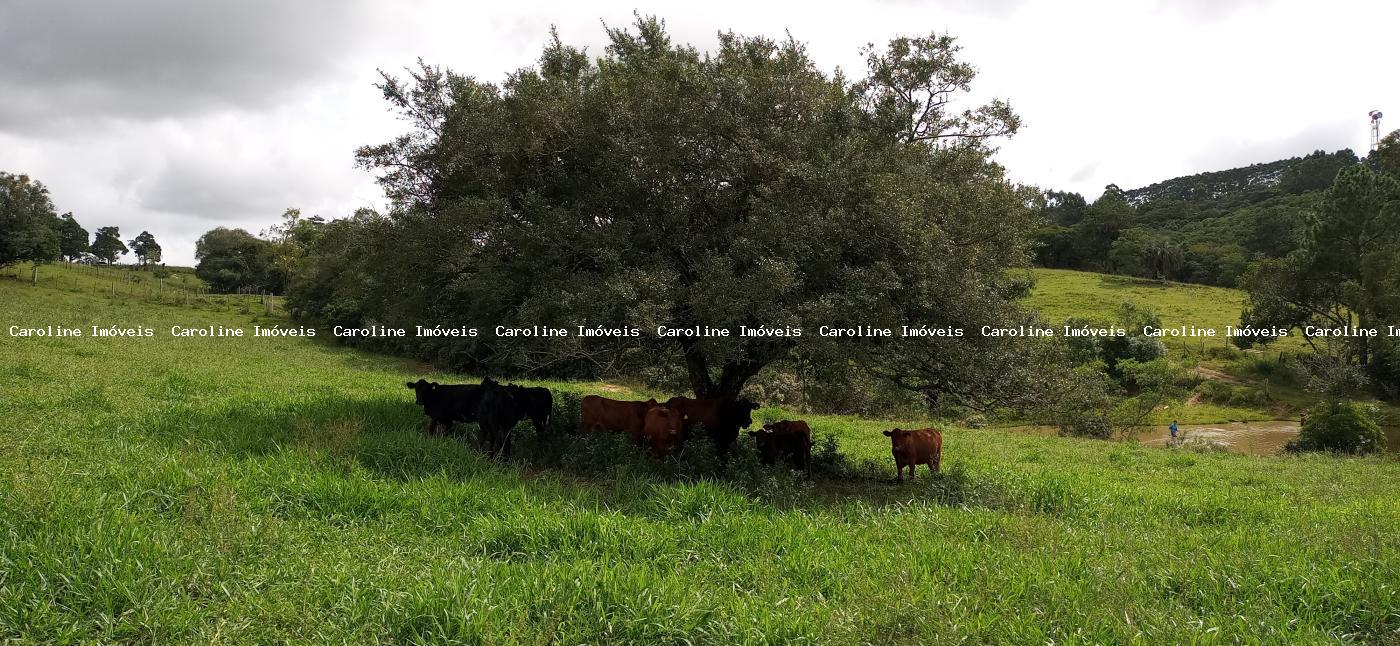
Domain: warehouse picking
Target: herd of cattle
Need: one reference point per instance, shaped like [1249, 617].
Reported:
[661, 426]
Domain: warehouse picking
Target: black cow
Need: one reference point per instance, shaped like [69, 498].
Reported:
[500, 410]
[445, 404]
[537, 404]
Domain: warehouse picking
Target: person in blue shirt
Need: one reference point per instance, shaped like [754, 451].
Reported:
[1173, 428]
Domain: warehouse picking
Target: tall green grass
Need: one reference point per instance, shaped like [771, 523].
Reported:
[250, 490]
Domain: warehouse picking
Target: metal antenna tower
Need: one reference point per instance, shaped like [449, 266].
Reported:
[1375, 129]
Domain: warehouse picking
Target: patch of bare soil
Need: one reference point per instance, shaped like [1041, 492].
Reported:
[1217, 375]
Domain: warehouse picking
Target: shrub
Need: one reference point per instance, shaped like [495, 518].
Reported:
[565, 416]
[1225, 394]
[1222, 352]
[1340, 426]
[1094, 424]
[828, 462]
[698, 459]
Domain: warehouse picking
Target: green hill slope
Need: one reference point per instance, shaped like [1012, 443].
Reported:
[1062, 293]
[267, 489]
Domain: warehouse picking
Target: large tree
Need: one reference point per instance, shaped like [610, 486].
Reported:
[108, 245]
[73, 238]
[1386, 157]
[658, 185]
[29, 228]
[1346, 274]
[146, 248]
[1099, 228]
[290, 240]
[231, 260]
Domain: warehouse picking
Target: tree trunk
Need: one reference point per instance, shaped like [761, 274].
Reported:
[699, 371]
[733, 377]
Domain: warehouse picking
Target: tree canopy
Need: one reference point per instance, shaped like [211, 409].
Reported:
[108, 245]
[29, 227]
[1346, 274]
[231, 260]
[146, 248]
[73, 238]
[659, 186]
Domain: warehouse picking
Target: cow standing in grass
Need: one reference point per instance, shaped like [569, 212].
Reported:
[603, 414]
[789, 441]
[912, 448]
[663, 430]
[537, 404]
[446, 404]
[497, 416]
[722, 418]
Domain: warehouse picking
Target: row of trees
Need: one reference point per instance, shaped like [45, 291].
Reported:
[1345, 273]
[31, 230]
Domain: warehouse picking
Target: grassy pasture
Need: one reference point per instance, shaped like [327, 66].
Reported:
[129, 283]
[1062, 293]
[249, 490]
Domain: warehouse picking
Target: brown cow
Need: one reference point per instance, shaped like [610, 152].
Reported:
[603, 414]
[912, 448]
[788, 440]
[662, 430]
[722, 418]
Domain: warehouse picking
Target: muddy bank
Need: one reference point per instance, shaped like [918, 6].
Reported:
[1252, 438]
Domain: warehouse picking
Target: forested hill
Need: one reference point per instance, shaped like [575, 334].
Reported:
[1204, 228]
[1293, 175]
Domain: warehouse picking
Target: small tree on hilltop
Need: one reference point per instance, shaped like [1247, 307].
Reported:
[107, 246]
[146, 248]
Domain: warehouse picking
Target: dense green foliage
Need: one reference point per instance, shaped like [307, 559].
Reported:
[233, 260]
[279, 489]
[1205, 228]
[1345, 275]
[73, 239]
[1341, 426]
[656, 185]
[29, 228]
[107, 246]
[146, 248]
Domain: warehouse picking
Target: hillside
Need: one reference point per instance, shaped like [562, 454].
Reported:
[1256, 395]
[1291, 175]
[251, 490]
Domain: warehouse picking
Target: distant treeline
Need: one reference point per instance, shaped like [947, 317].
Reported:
[31, 231]
[1205, 228]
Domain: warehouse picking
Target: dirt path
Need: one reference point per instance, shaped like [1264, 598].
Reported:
[1217, 375]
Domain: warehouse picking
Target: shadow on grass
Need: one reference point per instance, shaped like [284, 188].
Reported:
[383, 436]
[1115, 280]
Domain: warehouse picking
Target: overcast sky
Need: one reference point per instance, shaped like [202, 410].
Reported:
[176, 117]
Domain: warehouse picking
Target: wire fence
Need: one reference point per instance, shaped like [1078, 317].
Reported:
[147, 286]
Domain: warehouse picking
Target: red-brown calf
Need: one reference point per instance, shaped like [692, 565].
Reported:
[912, 448]
[662, 430]
[788, 440]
